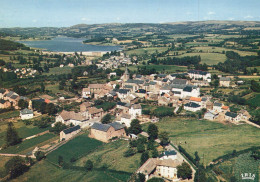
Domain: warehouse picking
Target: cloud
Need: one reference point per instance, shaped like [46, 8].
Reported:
[34, 20]
[211, 13]
[248, 17]
[84, 19]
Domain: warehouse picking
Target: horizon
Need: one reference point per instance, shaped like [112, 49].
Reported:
[54, 13]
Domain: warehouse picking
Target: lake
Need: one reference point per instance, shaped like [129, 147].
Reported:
[68, 44]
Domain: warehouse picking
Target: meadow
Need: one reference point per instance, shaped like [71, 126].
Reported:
[149, 50]
[161, 68]
[210, 139]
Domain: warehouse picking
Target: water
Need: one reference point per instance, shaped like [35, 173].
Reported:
[68, 44]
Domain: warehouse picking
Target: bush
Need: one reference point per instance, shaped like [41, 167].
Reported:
[129, 152]
[89, 165]
[39, 155]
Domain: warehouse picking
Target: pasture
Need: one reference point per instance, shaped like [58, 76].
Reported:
[210, 139]
[149, 50]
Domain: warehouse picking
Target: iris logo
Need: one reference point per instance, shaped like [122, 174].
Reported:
[248, 176]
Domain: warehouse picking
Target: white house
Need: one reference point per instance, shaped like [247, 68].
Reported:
[198, 74]
[126, 120]
[169, 154]
[192, 106]
[231, 116]
[210, 115]
[123, 93]
[26, 114]
[69, 132]
[135, 110]
[70, 117]
[217, 107]
[86, 93]
[224, 82]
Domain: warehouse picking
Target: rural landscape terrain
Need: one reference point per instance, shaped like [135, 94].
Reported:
[168, 102]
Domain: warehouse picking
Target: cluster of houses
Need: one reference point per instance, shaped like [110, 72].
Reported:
[21, 72]
[115, 62]
[9, 98]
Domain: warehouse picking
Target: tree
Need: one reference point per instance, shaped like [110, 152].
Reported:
[16, 166]
[129, 152]
[89, 165]
[60, 160]
[255, 86]
[12, 137]
[140, 147]
[200, 175]
[135, 127]
[197, 158]
[164, 137]
[50, 109]
[58, 127]
[155, 153]
[106, 119]
[23, 104]
[155, 179]
[42, 87]
[184, 171]
[152, 131]
[141, 177]
[39, 155]
[144, 157]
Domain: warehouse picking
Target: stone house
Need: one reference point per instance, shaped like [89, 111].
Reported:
[105, 132]
[224, 81]
[231, 116]
[4, 104]
[84, 106]
[26, 114]
[135, 110]
[192, 106]
[69, 132]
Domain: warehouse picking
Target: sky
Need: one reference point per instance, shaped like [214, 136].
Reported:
[65, 13]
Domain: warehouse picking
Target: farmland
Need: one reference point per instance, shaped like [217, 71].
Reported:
[149, 50]
[210, 139]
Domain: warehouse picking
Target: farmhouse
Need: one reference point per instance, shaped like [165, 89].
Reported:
[217, 107]
[231, 116]
[224, 82]
[84, 106]
[69, 133]
[168, 154]
[4, 104]
[210, 115]
[70, 117]
[192, 106]
[126, 120]
[135, 110]
[198, 74]
[26, 114]
[105, 132]
[166, 168]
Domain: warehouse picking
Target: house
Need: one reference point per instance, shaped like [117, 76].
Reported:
[166, 168]
[105, 132]
[196, 100]
[2, 93]
[192, 106]
[141, 93]
[244, 115]
[93, 112]
[225, 108]
[123, 93]
[4, 104]
[217, 107]
[70, 117]
[84, 106]
[231, 116]
[135, 110]
[198, 74]
[224, 81]
[69, 132]
[210, 115]
[179, 81]
[126, 120]
[168, 154]
[26, 114]
[86, 93]
[163, 101]
[126, 75]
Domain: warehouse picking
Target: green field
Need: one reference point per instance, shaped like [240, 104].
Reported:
[111, 156]
[210, 139]
[255, 101]
[47, 172]
[76, 148]
[149, 50]
[161, 68]
[3, 161]
[10, 114]
[28, 145]
[58, 71]
[208, 58]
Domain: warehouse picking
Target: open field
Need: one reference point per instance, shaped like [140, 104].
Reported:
[76, 148]
[111, 156]
[28, 145]
[255, 101]
[59, 71]
[47, 172]
[3, 161]
[208, 58]
[160, 68]
[10, 114]
[210, 139]
[149, 50]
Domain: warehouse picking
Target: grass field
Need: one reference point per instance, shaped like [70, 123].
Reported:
[111, 156]
[59, 71]
[149, 50]
[46, 172]
[28, 145]
[10, 114]
[161, 68]
[255, 101]
[208, 58]
[76, 148]
[3, 161]
[210, 139]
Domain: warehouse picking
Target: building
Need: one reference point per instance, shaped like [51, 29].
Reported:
[93, 113]
[26, 114]
[135, 110]
[69, 132]
[4, 104]
[217, 107]
[192, 106]
[105, 132]
[231, 116]
[126, 75]
[86, 93]
[210, 115]
[224, 81]
[198, 74]
[126, 120]
[70, 117]
[166, 168]
[84, 106]
[168, 154]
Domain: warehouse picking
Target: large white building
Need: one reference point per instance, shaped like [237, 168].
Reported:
[26, 114]
[135, 110]
[198, 74]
